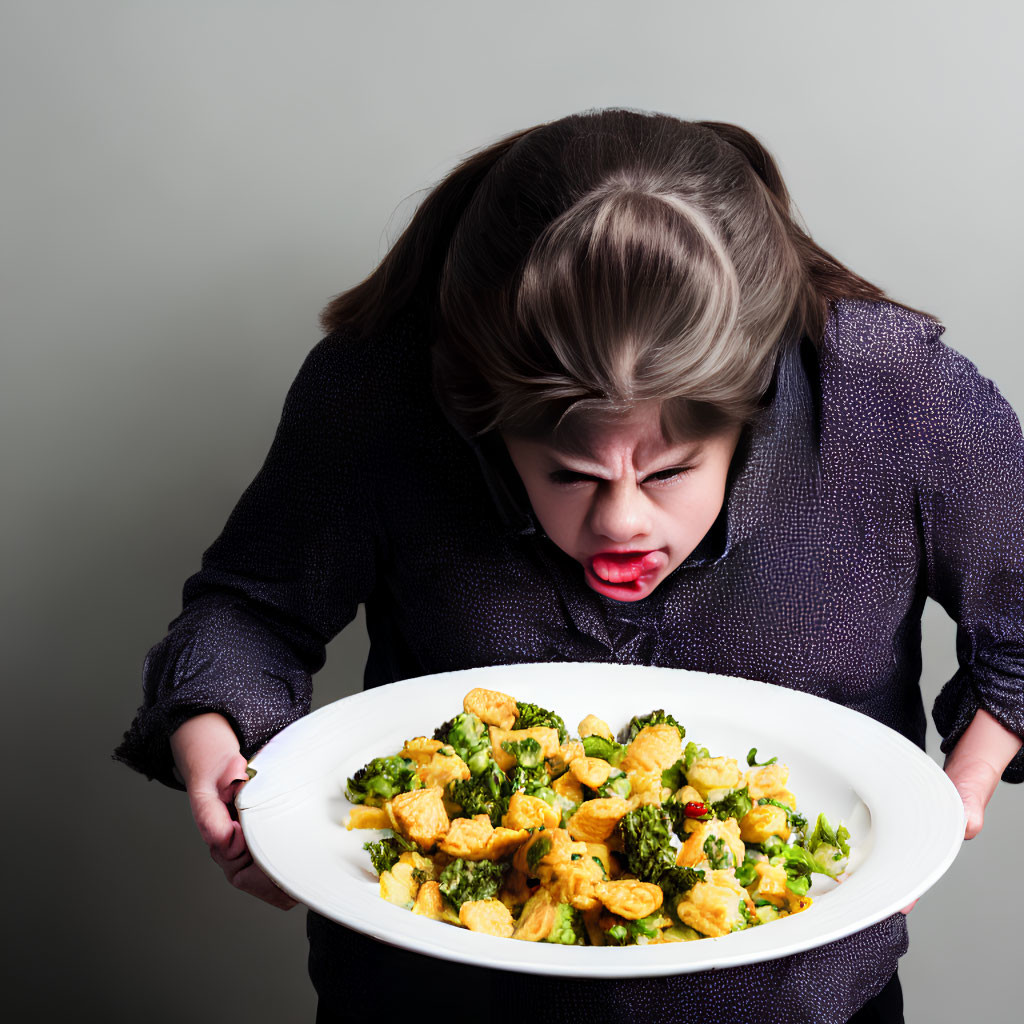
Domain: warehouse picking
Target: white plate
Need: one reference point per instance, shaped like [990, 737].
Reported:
[905, 818]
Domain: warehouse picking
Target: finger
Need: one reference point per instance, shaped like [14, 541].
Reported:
[910, 906]
[252, 880]
[235, 853]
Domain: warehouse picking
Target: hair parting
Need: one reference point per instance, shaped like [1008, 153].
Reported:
[573, 271]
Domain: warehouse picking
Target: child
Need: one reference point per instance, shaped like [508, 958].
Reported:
[604, 400]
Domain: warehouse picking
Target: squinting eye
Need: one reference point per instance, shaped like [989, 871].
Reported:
[668, 474]
[567, 476]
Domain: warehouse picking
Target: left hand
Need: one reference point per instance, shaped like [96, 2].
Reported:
[973, 767]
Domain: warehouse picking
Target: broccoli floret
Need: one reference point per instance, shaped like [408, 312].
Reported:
[646, 838]
[675, 883]
[385, 852]
[381, 780]
[635, 932]
[441, 732]
[468, 735]
[659, 717]
[752, 759]
[531, 716]
[608, 750]
[718, 854]
[463, 881]
[486, 793]
[795, 821]
[693, 753]
[528, 753]
[735, 805]
[568, 927]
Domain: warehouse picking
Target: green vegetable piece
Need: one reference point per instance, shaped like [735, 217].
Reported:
[532, 716]
[747, 920]
[674, 777]
[607, 750]
[693, 753]
[385, 852]
[681, 933]
[617, 784]
[752, 759]
[634, 932]
[528, 753]
[568, 928]
[829, 847]
[381, 780]
[797, 861]
[647, 841]
[746, 873]
[734, 805]
[659, 717]
[464, 881]
[675, 883]
[718, 853]
[486, 793]
[467, 735]
[537, 852]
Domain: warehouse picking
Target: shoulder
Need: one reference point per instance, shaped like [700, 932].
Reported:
[371, 364]
[879, 338]
[890, 381]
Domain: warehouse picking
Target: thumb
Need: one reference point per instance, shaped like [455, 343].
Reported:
[212, 817]
[974, 808]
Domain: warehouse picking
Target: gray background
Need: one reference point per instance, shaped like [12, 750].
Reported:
[186, 183]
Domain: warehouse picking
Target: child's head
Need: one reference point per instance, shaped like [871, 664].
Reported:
[616, 276]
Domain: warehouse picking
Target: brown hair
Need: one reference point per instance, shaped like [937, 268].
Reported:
[606, 259]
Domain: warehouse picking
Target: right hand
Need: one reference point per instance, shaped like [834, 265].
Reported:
[207, 756]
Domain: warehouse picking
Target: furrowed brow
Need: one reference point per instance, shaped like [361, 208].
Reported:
[582, 461]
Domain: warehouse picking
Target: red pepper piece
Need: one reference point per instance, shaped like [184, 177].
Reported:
[696, 809]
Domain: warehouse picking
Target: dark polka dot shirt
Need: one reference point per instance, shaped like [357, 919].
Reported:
[885, 470]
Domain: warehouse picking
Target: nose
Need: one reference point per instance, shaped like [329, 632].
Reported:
[620, 512]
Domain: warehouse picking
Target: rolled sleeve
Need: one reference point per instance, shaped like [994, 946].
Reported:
[971, 505]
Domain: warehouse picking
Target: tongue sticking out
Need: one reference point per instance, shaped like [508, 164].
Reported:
[620, 569]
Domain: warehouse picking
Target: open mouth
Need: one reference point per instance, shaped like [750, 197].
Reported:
[623, 567]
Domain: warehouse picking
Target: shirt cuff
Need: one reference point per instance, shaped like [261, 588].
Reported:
[954, 710]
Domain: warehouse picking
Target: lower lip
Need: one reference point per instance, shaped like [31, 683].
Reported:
[627, 591]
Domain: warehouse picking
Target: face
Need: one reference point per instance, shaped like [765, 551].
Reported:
[634, 508]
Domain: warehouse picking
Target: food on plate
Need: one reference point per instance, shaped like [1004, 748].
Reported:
[502, 823]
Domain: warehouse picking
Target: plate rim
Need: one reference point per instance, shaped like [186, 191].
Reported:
[262, 796]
